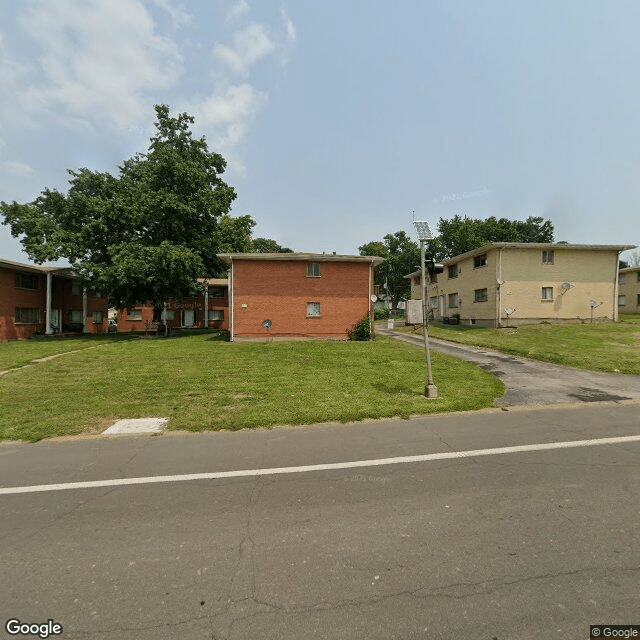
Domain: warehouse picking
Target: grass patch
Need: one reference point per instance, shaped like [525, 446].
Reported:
[598, 347]
[203, 383]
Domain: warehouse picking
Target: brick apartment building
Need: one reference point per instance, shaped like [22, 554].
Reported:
[188, 313]
[298, 294]
[38, 299]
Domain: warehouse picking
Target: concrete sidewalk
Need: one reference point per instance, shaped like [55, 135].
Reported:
[532, 382]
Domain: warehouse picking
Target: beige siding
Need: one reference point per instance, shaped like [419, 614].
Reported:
[630, 289]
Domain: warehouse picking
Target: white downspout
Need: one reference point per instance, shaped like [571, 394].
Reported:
[206, 304]
[48, 330]
[499, 296]
[615, 288]
[84, 310]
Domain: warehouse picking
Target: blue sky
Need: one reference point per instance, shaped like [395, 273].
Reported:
[339, 119]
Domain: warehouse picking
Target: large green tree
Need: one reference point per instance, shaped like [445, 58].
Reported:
[266, 245]
[461, 234]
[146, 233]
[402, 256]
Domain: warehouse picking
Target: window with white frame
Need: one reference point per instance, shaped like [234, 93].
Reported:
[27, 316]
[480, 295]
[480, 261]
[216, 314]
[547, 257]
[453, 300]
[217, 292]
[169, 314]
[313, 269]
[96, 316]
[313, 309]
[622, 300]
[27, 280]
[547, 293]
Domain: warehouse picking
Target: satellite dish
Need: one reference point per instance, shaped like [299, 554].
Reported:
[266, 324]
[509, 311]
[593, 304]
[500, 282]
[565, 286]
[374, 297]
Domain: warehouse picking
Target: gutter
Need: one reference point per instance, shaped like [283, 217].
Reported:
[499, 296]
[615, 288]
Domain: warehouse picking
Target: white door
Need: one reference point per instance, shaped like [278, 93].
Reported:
[188, 319]
[56, 320]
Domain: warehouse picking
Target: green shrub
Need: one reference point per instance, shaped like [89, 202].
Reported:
[360, 331]
[382, 314]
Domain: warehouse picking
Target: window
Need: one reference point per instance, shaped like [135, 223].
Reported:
[76, 288]
[75, 315]
[97, 317]
[27, 280]
[27, 316]
[621, 278]
[216, 314]
[547, 293]
[433, 302]
[622, 300]
[313, 309]
[638, 274]
[638, 300]
[453, 271]
[453, 300]
[217, 292]
[313, 270]
[547, 257]
[480, 261]
[169, 314]
[480, 295]
[134, 314]
[416, 280]
[97, 295]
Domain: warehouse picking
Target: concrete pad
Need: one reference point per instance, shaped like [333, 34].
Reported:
[136, 425]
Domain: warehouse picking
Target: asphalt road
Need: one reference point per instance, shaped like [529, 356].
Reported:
[531, 382]
[512, 545]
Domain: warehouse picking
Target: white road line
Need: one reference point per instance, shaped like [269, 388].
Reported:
[447, 455]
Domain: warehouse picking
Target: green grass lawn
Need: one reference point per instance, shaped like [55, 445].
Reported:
[599, 346]
[202, 382]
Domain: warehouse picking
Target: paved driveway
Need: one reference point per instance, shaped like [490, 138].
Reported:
[531, 382]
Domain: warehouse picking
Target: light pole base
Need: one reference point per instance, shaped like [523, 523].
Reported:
[431, 391]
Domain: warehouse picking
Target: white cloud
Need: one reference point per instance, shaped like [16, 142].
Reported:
[17, 168]
[98, 60]
[179, 15]
[290, 28]
[237, 10]
[249, 46]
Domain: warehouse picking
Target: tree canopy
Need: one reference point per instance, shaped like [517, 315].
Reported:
[146, 233]
[402, 256]
[266, 245]
[461, 234]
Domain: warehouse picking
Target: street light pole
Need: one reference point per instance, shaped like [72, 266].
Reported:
[424, 234]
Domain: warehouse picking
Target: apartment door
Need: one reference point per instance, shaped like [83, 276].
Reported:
[56, 320]
[188, 318]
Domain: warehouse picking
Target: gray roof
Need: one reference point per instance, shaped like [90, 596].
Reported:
[315, 257]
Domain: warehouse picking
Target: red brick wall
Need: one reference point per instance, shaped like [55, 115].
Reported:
[220, 304]
[279, 290]
[61, 298]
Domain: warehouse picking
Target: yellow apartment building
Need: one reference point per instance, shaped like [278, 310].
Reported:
[629, 290]
[509, 284]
